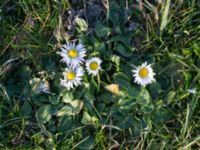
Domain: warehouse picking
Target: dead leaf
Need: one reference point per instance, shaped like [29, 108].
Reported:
[113, 88]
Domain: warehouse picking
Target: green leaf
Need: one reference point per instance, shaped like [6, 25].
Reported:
[101, 49]
[126, 103]
[108, 66]
[125, 123]
[80, 92]
[73, 108]
[105, 97]
[138, 127]
[49, 144]
[54, 99]
[123, 39]
[39, 99]
[133, 91]
[161, 115]
[116, 112]
[26, 109]
[89, 95]
[87, 119]
[116, 59]
[81, 24]
[143, 97]
[45, 113]
[114, 14]
[24, 73]
[121, 79]
[155, 90]
[77, 105]
[170, 97]
[34, 83]
[66, 124]
[147, 108]
[102, 30]
[124, 51]
[87, 143]
[66, 110]
[68, 97]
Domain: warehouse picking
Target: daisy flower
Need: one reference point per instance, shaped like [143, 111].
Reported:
[72, 54]
[72, 77]
[143, 74]
[93, 65]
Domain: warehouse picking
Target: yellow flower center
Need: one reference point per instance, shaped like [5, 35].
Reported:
[70, 75]
[94, 66]
[73, 53]
[144, 72]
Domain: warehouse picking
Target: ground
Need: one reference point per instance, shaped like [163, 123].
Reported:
[110, 110]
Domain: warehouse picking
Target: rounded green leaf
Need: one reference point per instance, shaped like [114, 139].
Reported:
[45, 113]
[102, 30]
[126, 103]
[87, 119]
[67, 97]
[54, 99]
[66, 124]
[148, 108]
[143, 97]
[26, 109]
[161, 115]
[123, 50]
[72, 108]
[81, 24]
[121, 79]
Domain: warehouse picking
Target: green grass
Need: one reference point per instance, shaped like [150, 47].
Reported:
[124, 34]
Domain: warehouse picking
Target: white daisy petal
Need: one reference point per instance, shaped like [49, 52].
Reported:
[72, 54]
[72, 77]
[143, 74]
[93, 65]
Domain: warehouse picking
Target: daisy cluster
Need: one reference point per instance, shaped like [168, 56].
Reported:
[74, 57]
